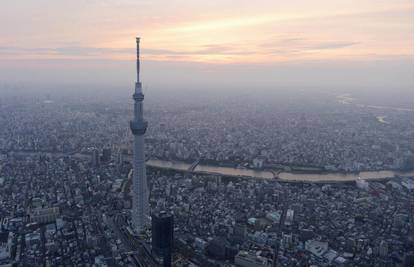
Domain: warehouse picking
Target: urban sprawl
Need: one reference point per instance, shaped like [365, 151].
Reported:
[65, 181]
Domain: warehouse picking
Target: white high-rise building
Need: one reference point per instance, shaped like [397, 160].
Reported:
[140, 206]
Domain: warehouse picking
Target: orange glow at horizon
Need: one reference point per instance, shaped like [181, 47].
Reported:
[252, 33]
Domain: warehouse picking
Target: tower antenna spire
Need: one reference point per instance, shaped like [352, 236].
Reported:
[138, 39]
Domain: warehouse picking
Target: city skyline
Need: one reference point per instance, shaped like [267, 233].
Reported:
[276, 133]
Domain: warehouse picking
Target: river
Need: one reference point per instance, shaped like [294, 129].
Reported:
[275, 174]
[258, 174]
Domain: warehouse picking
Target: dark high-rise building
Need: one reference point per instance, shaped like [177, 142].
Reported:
[96, 160]
[409, 260]
[239, 232]
[162, 235]
[106, 154]
[217, 248]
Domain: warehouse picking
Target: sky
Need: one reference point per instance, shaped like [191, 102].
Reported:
[268, 43]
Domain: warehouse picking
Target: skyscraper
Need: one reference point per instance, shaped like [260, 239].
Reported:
[95, 157]
[163, 236]
[408, 259]
[140, 206]
[106, 154]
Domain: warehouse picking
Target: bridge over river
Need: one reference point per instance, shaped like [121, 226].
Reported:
[292, 176]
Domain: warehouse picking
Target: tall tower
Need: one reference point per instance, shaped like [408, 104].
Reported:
[140, 206]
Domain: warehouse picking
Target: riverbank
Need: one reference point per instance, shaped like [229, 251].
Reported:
[268, 174]
[283, 176]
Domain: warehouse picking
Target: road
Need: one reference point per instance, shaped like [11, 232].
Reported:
[137, 251]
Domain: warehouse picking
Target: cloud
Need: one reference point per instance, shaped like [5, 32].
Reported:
[211, 49]
[13, 50]
[295, 46]
[279, 47]
[64, 51]
[332, 45]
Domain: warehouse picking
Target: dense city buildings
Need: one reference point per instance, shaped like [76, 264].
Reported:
[67, 192]
[276, 133]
